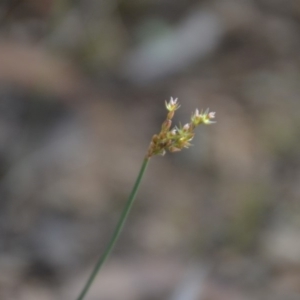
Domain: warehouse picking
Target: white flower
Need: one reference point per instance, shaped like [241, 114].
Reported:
[173, 101]
[186, 127]
[211, 115]
[172, 105]
[173, 131]
[203, 117]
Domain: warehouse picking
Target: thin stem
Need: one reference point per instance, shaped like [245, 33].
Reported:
[117, 231]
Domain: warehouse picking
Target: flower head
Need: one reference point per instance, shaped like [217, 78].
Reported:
[203, 117]
[177, 138]
[172, 105]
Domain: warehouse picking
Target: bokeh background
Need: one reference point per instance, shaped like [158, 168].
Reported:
[82, 90]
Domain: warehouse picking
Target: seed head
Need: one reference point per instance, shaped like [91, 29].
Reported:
[177, 138]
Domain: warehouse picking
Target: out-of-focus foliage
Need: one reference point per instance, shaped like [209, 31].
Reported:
[82, 90]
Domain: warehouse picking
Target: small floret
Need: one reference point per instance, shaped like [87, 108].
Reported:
[203, 117]
[172, 105]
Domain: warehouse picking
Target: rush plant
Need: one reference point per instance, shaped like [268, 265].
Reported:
[169, 139]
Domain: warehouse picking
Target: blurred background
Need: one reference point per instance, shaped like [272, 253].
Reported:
[82, 91]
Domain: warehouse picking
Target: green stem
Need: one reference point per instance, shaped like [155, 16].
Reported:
[117, 231]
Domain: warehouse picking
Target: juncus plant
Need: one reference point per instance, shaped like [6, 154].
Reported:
[172, 139]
